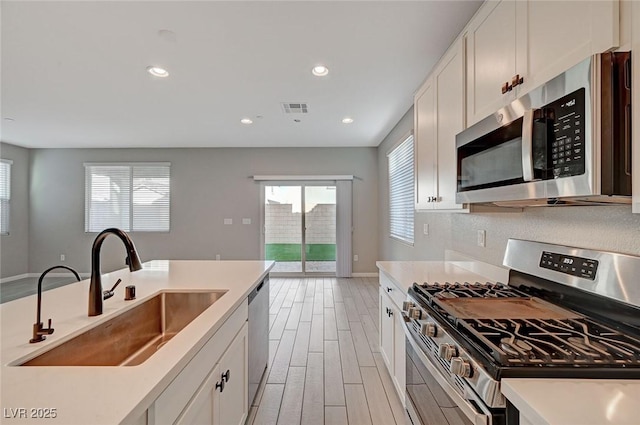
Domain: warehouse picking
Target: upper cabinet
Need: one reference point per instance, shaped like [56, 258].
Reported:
[507, 49]
[424, 141]
[513, 47]
[491, 59]
[439, 116]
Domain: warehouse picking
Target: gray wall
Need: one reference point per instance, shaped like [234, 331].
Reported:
[208, 185]
[612, 228]
[14, 247]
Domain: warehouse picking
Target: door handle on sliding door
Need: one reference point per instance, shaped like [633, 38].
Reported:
[527, 145]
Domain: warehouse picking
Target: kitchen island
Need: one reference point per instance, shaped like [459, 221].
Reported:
[117, 394]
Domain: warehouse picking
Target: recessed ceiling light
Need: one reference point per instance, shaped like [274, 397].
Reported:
[320, 70]
[246, 121]
[156, 71]
[347, 120]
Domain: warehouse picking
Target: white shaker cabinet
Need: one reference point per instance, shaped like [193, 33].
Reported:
[213, 387]
[222, 398]
[392, 336]
[234, 369]
[515, 46]
[425, 144]
[553, 36]
[439, 116]
[386, 329]
[491, 58]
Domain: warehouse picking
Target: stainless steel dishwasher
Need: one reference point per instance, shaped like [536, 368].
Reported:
[258, 335]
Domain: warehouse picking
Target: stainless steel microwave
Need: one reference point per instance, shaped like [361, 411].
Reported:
[567, 141]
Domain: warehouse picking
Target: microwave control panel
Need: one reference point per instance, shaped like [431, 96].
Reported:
[569, 264]
[566, 134]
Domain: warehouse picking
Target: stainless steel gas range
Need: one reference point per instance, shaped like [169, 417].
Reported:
[565, 313]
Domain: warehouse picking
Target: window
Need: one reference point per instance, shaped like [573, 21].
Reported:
[401, 191]
[132, 197]
[5, 194]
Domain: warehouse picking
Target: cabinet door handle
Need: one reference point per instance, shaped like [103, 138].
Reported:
[389, 289]
[220, 385]
[516, 80]
[506, 87]
[226, 376]
[389, 312]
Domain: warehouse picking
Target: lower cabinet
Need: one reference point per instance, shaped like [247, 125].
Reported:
[222, 398]
[392, 341]
[212, 388]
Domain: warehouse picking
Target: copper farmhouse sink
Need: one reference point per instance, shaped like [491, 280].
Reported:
[133, 336]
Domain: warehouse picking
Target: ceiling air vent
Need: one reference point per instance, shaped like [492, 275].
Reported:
[295, 108]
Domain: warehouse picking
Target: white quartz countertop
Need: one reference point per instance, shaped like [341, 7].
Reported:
[111, 395]
[405, 273]
[574, 401]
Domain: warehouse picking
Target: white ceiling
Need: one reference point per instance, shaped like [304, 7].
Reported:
[73, 73]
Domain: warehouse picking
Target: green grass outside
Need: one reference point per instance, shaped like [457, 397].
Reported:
[291, 252]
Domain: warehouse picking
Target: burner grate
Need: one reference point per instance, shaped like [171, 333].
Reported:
[470, 290]
[574, 341]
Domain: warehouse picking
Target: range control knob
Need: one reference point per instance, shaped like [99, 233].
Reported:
[428, 329]
[447, 351]
[461, 367]
[406, 305]
[415, 313]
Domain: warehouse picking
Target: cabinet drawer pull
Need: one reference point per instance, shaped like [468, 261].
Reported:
[506, 87]
[516, 80]
[389, 289]
[226, 376]
[220, 385]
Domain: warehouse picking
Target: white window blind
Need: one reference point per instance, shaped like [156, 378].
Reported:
[5, 194]
[401, 191]
[132, 197]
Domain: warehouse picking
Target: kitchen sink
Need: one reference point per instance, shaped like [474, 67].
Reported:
[133, 336]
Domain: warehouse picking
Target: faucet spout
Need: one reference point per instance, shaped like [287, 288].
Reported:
[95, 287]
[39, 331]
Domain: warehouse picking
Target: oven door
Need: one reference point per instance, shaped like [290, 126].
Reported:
[430, 399]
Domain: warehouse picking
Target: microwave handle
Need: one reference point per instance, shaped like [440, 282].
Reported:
[527, 145]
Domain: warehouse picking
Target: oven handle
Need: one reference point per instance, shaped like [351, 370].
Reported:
[527, 145]
[470, 411]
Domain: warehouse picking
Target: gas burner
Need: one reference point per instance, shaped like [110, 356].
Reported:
[470, 290]
[577, 341]
[515, 347]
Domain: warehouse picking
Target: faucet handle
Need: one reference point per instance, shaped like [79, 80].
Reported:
[49, 330]
[109, 293]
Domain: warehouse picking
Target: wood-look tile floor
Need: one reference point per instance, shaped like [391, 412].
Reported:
[324, 360]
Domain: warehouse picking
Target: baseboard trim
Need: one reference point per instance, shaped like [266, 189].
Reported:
[364, 274]
[27, 275]
[12, 278]
[68, 274]
[294, 274]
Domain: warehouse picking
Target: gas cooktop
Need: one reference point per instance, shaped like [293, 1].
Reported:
[511, 327]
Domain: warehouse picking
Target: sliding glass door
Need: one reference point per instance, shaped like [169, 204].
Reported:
[319, 229]
[300, 227]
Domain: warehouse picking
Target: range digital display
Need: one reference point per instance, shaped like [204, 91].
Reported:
[567, 264]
